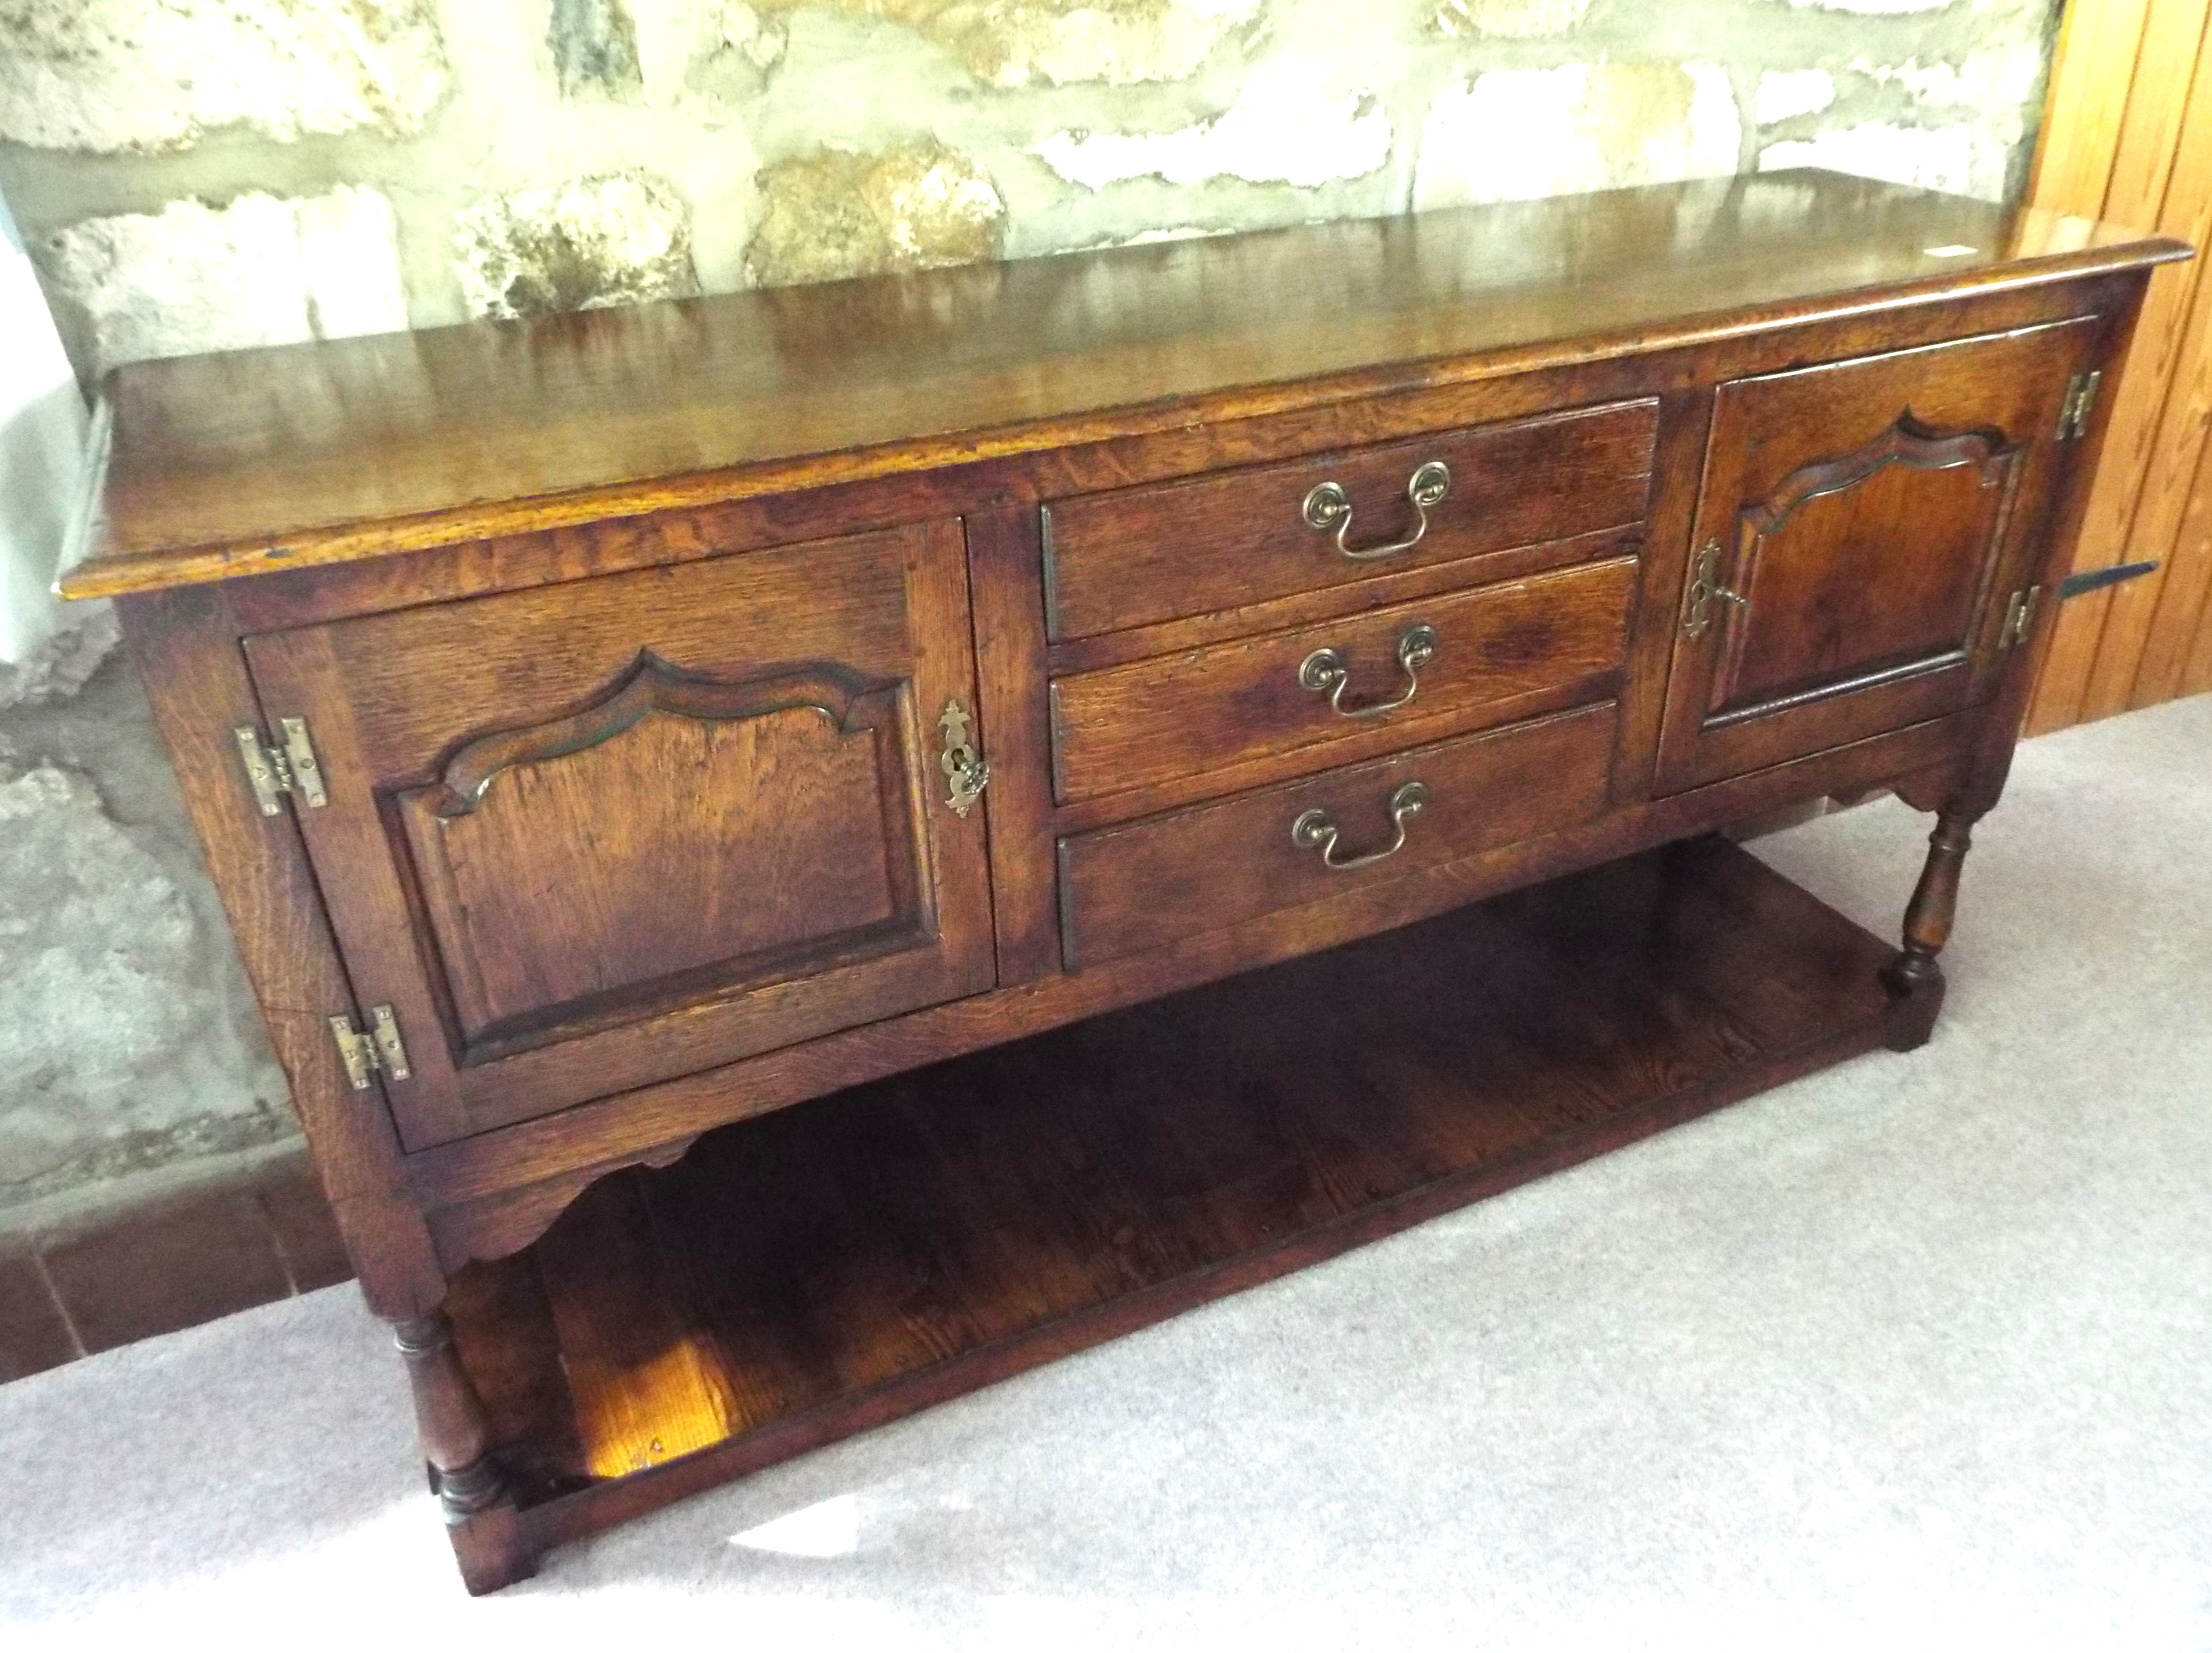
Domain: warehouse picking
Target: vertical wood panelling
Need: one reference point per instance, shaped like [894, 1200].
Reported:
[2128, 136]
[2089, 81]
[2184, 618]
[2155, 533]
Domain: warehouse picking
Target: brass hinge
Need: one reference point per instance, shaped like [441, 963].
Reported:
[2020, 618]
[377, 1051]
[273, 771]
[2081, 401]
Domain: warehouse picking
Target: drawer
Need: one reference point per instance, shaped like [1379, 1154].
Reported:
[1127, 888]
[1140, 556]
[1362, 679]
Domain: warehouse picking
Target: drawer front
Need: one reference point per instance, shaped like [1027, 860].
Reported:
[1373, 679]
[582, 838]
[1128, 888]
[1142, 556]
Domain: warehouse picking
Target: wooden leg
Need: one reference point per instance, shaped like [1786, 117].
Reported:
[472, 1490]
[1914, 976]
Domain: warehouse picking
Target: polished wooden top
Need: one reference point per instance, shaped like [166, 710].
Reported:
[252, 460]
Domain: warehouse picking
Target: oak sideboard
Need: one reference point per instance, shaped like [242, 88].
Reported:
[808, 850]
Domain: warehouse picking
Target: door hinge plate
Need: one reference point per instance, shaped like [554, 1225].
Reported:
[2081, 401]
[379, 1050]
[274, 772]
[2019, 617]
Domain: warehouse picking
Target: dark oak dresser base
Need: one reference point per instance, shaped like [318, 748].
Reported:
[835, 1266]
[1079, 702]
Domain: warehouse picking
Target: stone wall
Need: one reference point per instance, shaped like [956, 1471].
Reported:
[195, 174]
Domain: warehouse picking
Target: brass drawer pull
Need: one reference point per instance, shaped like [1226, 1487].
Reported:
[1329, 506]
[1316, 830]
[1324, 671]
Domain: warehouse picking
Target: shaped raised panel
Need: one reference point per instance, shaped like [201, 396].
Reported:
[679, 837]
[587, 837]
[1864, 566]
[1858, 529]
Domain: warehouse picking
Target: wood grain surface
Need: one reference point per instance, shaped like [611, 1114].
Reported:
[849, 1261]
[1871, 518]
[1213, 710]
[1140, 556]
[1160, 880]
[271, 458]
[764, 857]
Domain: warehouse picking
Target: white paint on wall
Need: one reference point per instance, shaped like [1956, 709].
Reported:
[1118, 44]
[1517, 134]
[121, 75]
[262, 270]
[1936, 158]
[1784, 94]
[1288, 128]
[1871, 8]
[2000, 79]
[42, 426]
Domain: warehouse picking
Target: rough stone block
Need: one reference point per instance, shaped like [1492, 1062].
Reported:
[594, 47]
[580, 245]
[1287, 128]
[156, 75]
[111, 1010]
[129, 1041]
[63, 663]
[1508, 19]
[832, 214]
[1063, 42]
[1517, 134]
[715, 51]
[261, 271]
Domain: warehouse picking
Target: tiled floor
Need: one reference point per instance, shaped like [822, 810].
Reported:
[100, 1281]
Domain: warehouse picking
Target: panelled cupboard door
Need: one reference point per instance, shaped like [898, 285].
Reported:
[587, 837]
[1862, 530]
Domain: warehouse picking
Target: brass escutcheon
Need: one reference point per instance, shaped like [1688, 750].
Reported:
[965, 773]
[1705, 590]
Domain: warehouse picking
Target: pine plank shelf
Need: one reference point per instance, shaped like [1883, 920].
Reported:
[805, 1275]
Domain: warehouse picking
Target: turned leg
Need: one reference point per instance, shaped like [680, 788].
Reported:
[1914, 977]
[456, 1437]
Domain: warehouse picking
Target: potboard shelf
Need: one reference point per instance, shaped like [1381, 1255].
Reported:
[817, 1271]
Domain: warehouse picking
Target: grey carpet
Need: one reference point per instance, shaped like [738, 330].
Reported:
[1912, 1353]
